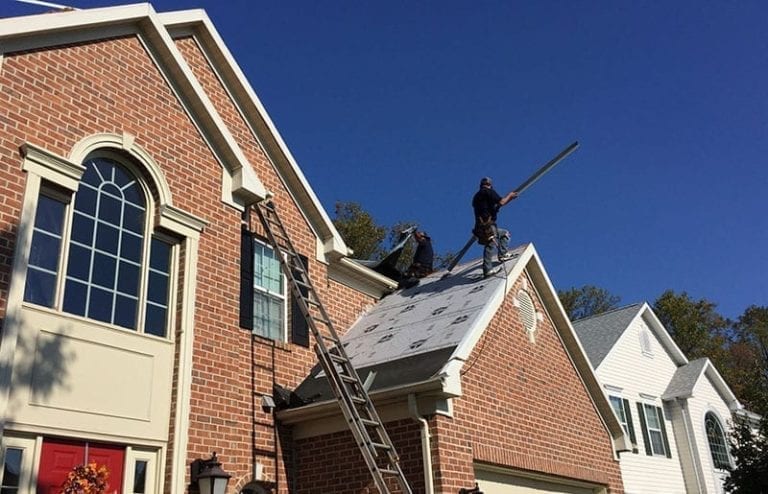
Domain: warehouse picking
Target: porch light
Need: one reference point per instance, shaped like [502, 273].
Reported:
[209, 476]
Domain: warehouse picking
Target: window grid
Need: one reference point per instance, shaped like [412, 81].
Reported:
[716, 439]
[654, 425]
[102, 226]
[268, 293]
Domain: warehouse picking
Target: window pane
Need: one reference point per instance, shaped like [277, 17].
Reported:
[50, 215]
[133, 220]
[128, 279]
[155, 321]
[657, 442]
[104, 270]
[86, 199]
[107, 238]
[40, 287]
[82, 229]
[158, 288]
[268, 316]
[653, 419]
[130, 247]
[161, 255]
[79, 263]
[140, 477]
[125, 312]
[44, 251]
[75, 296]
[110, 209]
[618, 407]
[12, 469]
[100, 305]
[716, 439]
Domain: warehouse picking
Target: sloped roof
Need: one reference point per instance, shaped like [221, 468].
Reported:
[418, 339]
[411, 335]
[599, 333]
[685, 379]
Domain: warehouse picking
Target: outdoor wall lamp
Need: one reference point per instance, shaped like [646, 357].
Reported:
[209, 476]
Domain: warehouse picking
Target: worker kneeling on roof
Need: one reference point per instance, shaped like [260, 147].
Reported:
[423, 258]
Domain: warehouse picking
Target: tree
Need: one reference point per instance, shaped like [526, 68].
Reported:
[748, 353]
[587, 301]
[695, 326]
[359, 230]
[749, 449]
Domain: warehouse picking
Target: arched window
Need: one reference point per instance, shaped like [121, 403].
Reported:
[716, 440]
[117, 271]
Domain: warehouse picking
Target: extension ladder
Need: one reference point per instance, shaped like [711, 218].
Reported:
[366, 426]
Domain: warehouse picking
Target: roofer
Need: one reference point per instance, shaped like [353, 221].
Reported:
[486, 204]
[423, 257]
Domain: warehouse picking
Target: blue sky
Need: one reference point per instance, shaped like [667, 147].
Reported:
[403, 106]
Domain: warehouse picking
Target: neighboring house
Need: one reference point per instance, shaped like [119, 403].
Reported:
[677, 412]
[481, 380]
[145, 322]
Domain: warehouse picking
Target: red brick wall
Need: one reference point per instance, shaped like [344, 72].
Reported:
[524, 407]
[333, 463]
[55, 97]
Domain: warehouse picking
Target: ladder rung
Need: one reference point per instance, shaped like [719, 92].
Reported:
[383, 446]
[369, 422]
[358, 400]
[348, 379]
[389, 471]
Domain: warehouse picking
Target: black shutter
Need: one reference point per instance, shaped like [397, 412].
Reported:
[646, 437]
[630, 425]
[664, 432]
[299, 325]
[246, 279]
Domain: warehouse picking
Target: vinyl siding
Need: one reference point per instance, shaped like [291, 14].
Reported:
[626, 367]
[706, 399]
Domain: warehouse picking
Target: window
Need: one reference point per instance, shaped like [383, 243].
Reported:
[116, 271]
[624, 413]
[12, 471]
[717, 444]
[268, 293]
[654, 430]
[140, 477]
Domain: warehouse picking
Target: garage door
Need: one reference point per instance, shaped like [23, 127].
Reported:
[502, 483]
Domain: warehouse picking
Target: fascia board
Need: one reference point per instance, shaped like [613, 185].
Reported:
[255, 112]
[41, 24]
[361, 278]
[722, 387]
[433, 387]
[663, 335]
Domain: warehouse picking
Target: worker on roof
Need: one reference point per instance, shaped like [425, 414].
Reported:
[486, 204]
[423, 258]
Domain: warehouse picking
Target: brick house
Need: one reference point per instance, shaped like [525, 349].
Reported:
[145, 322]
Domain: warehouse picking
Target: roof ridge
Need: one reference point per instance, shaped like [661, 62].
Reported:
[617, 309]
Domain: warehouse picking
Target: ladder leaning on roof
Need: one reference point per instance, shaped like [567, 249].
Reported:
[366, 426]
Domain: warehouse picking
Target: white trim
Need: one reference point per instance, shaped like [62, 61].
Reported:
[51, 166]
[28, 465]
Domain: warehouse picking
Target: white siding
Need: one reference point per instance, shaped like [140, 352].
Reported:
[626, 367]
[706, 399]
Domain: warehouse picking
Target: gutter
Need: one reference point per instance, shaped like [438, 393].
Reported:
[426, 448]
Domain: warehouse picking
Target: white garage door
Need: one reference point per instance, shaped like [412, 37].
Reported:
[501, 483]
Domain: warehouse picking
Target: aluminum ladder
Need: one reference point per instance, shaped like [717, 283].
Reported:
[366, 426]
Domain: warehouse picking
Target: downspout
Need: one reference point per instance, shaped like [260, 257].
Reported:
[426, 449]
[689, 438]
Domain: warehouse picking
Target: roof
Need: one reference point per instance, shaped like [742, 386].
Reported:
[599, 333]
[417, 340]
[685, 378]
[412, 335]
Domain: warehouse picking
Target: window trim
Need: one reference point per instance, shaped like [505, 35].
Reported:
[723, 437]
[642, 408]
[29, 460]
[283, 297]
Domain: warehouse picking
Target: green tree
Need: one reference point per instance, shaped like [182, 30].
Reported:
[587, 301]
[749, 449]
[359, 230]
[695, 326]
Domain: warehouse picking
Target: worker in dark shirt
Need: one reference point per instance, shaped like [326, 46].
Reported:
[486, 204]
[423, 257]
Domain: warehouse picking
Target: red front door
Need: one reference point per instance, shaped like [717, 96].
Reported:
[58, 457]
